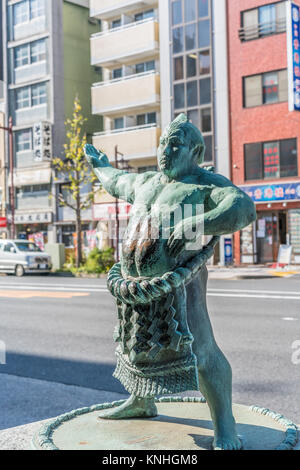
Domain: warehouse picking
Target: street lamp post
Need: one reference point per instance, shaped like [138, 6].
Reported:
[9, 129]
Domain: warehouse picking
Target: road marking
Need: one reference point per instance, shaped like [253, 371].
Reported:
[46, 288]
[255, 291]
[19, 294]
[250, 296]
[290, 319]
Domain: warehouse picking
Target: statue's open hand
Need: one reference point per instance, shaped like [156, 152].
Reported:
[95, 158]
[183, 238]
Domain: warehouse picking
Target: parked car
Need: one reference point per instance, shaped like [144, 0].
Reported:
[21, 257]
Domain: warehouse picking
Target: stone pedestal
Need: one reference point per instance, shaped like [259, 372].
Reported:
[182, 424]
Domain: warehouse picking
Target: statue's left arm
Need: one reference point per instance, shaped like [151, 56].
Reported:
[228, 210]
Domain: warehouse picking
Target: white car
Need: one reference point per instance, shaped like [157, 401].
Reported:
[21, 256]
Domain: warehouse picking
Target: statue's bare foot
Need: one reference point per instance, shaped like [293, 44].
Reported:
[227, 443]
[226, 437]
[134, 407]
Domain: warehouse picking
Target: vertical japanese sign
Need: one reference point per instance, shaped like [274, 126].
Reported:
[42, 141]
[293, 54]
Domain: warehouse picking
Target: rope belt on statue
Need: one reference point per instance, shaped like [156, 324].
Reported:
[146, 291]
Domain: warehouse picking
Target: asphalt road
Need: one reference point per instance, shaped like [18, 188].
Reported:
[60, 330]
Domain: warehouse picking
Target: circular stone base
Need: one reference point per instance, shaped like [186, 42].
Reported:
[182, 424]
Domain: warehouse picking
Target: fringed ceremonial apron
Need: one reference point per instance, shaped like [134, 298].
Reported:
[154, 353]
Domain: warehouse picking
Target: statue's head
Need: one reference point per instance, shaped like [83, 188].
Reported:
[181, 147]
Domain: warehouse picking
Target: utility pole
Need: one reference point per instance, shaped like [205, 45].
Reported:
[9, 129]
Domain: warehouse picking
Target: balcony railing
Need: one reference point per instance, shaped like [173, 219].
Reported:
[133, 93]
[134, 142]
[262, 29]
[106, 9]
[125, 44]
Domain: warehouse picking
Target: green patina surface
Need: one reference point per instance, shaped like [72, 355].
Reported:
[166, 343]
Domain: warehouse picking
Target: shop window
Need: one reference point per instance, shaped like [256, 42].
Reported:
[263, 21]
[288, 158]
[271, 160]
[253, 161]
[266, 88]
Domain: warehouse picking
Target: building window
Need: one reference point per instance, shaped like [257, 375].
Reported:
[192, 82]
[23, 140]
[37, 8]
[29, 96]
[28, 10]
[271, 160]
[38, 94]
[116, 24]
[117, 73]
[176, 12]
[143, 169]
[23, 98]
[266, 88]
[30, 53]
[21, 56]
[20, 12]
[202, 8]
[149, 118]
[119, 123]
[144, 15]
[38, 51]
[145, 66]
[263, 21]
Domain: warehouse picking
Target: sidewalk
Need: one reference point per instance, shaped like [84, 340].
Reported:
[251, 272]
[27, 403]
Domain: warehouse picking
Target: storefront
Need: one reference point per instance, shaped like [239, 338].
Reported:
[278, 223]
[35, 226]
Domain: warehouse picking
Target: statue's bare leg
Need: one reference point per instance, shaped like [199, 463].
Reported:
[215, 375]
[134, 407]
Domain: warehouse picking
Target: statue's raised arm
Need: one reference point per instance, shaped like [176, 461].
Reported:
[118, 183]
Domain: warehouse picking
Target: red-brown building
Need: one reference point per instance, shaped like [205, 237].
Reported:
[265, 135]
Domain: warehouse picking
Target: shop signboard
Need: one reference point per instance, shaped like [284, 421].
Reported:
[273, 192]
[285, 254]
[228, 251]
[293, 54]
[3, 222]
[42, 141]
[34, 218]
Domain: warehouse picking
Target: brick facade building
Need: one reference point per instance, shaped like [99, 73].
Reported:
[264, 133]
